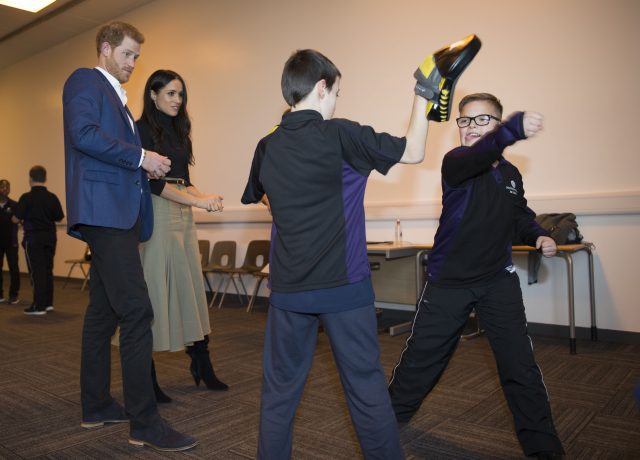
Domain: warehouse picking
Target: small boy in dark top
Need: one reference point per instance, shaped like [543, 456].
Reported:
[39, 210]
[483, 209]
[8, 243]
[314, 170]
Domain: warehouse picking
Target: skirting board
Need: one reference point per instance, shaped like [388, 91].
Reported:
[584, 333]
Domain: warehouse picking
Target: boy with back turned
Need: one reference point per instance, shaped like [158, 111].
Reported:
[314, 171]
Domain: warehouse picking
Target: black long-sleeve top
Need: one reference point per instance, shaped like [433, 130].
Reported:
[39, 210]
[169, 147]
[483, 208]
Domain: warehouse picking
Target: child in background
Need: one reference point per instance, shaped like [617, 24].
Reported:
[39, 210]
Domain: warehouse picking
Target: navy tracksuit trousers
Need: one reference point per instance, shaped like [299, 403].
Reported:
[290, 341]
[40, 249]
[439, 320]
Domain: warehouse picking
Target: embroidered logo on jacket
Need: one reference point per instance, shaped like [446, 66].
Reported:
[512, 188]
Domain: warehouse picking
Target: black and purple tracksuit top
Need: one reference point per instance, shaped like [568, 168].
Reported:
[483, 209]
[314, 172]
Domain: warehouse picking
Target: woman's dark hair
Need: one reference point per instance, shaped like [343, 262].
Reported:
[302, 71]
[151, 115]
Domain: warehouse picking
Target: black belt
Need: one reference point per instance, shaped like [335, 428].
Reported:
[174, 180]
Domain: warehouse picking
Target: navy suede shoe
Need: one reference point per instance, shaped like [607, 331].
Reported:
[162, 437]
[113, 413]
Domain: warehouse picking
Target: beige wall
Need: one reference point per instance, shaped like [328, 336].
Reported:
[575, 61]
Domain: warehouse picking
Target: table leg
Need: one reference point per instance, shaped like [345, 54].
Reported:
[572, 317]
[592, 296]
[420, 279]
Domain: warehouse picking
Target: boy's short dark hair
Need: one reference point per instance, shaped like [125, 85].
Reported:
[38, 174]
[114, 32]
[302, 71]
[490, 98]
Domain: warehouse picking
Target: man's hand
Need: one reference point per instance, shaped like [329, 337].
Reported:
[547, 246]
[532, 123]
[156, 165]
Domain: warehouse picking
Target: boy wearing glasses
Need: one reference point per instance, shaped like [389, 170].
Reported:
[483, 209]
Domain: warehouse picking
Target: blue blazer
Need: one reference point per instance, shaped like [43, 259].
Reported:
[104, 185]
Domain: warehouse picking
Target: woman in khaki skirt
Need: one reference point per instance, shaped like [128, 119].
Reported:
[171, 258]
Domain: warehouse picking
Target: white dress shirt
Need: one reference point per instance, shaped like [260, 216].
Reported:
[122, 94]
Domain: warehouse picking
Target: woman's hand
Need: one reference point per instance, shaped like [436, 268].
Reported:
[211, 203]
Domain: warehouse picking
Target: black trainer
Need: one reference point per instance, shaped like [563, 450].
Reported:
[14, 300]
[35, 311]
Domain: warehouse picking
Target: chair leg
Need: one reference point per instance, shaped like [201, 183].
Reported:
[226, 286]
[86, 278]
[68, 275]
[238, 290]
[219, 288]
[244, 288]
[215, 296]
[232, 279]
[477, 333]
[255, 294]
[206, 280]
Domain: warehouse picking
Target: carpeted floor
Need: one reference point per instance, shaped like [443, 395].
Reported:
[465, 417]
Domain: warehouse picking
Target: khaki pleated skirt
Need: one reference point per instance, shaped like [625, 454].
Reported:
[172, 270]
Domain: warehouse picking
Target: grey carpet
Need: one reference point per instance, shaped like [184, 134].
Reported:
[465, 417]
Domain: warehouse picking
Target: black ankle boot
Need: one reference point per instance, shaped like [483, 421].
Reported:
[161, 396]
[201, 368]
[193, 368]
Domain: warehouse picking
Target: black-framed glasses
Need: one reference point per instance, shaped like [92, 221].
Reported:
[479, 120]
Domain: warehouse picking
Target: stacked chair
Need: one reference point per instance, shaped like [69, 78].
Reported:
[256, 258]
[84, 260]
[222, 260]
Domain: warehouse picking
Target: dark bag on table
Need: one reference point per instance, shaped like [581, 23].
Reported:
[562, 227]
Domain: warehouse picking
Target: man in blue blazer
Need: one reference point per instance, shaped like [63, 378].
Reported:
[109, 207]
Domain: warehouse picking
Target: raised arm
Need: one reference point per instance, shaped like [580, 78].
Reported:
[465, 162]
[416, 133]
